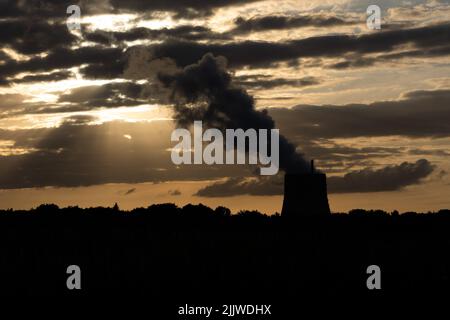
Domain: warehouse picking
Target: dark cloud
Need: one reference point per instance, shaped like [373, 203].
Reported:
[4, 57]
[260, 53]
[360, 61]
[257, 82]
[418, 114]
[12, 104]
[4, 82]
[56, 9]
[34, 36]
[181, 8]
[107, 95]
[241, 186]
[102, 62]
[109, 62]
[86, 98]
[338, 158]
[10, 8]
[44, 9]
[355, 62]
[183, 32]
[389, 178]
[79, 153]
[239, 54]
[54, 76]
[438, 153]
[80, 119]
[50, 10]
[264, 23]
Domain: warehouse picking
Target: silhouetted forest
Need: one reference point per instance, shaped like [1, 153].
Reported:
[196, 251]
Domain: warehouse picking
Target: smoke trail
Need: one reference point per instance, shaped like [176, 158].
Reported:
[205, 91]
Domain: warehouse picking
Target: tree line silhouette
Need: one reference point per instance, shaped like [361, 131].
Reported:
[167, 251]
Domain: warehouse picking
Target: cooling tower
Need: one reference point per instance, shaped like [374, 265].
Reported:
[305, 194]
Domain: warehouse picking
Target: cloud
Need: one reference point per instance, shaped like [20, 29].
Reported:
[182, 32]
[389, 178]
[79, 153]
[80, 119]
[278, 22]
[107, 95]
[439, 153]
[48, 9]
[360, 61]
[100, 62]
[422, 113]
[30, 36]
[181, 8]
[10, 101]
[258, 82]
[54, 76]
[263, 53]
[85, 98]
[338, 158]
[242, 186]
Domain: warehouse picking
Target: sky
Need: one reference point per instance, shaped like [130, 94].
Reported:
[86, 114]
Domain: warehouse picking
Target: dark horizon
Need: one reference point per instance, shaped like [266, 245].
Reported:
[179, 254]
[356, 211]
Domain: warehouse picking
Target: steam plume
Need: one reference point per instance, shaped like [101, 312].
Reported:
[205, 91]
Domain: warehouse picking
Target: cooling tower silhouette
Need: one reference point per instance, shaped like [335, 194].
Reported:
[305, 194]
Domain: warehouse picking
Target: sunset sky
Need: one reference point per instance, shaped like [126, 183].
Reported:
[85, 118]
